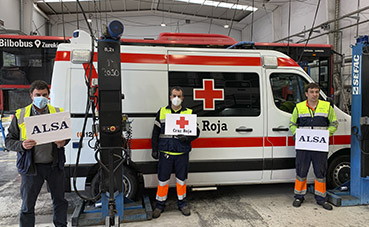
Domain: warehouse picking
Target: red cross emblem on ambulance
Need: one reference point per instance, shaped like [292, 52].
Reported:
[208, 94]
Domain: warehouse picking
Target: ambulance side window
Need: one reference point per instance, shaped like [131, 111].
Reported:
[241, 92]
[288, 89]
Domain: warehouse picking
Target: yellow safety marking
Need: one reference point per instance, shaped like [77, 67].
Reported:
[10, 160]
[6, 119]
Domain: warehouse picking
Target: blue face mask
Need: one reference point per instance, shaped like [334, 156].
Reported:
[40, 102]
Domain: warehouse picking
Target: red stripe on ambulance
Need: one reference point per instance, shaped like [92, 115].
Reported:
[186, 59]
[242, 142]
[275, 141]
[62, 56]
[143, 58]
[214, 60]
[286, 62]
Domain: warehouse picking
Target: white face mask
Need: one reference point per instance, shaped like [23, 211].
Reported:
[40, 102]
[176, 101]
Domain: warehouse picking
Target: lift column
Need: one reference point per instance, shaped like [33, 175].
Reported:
[359, 185]
[356, 191]
[110, 120]
[115, 208]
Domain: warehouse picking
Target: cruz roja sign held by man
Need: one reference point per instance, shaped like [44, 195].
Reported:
[48, 128]
[312, 140]
[180, 124]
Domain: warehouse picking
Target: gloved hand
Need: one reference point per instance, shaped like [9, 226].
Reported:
[182, 138]
[154, 154]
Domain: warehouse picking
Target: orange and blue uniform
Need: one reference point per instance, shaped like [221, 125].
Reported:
[320, 117]
[173, 155]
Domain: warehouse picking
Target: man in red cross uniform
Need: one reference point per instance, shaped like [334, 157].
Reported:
[173, 153]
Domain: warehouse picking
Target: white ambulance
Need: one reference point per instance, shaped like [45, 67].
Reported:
[243, 100]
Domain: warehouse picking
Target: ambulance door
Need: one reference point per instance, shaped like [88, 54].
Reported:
[227, 99]
[284, 89]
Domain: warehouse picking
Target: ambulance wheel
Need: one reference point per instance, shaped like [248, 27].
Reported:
[338, 171]
[130, 183]
[129, 180]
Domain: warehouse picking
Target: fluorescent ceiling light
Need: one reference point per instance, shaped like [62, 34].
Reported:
[197, 1]
[225, 5]
[211, 3]
[200, 2]
[65, 0]
[220, 4]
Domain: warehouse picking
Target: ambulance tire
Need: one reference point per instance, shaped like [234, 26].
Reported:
[338, 171]
[129, 180]
[130, 183]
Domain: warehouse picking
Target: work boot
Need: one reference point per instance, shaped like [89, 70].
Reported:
[326, 205]
[156, 213]
[297, 202]
[185, 211]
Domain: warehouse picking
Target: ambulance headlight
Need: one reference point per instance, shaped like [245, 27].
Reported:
[270, 61]
[80, 56]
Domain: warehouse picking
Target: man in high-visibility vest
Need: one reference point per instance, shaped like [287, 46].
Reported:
[37, 163]
[312, 114]
[173, 153]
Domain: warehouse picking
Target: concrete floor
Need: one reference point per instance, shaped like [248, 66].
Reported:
[251, 205]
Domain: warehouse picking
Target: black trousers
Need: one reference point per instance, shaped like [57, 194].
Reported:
[319, 161]
[30, 188]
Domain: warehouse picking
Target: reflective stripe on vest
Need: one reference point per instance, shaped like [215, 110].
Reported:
[22, 113]
[319, 118]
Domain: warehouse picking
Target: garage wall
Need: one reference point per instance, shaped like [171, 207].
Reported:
[139, 26]
[349, 34]
[39, 23]
[10, 14]
[273, 26]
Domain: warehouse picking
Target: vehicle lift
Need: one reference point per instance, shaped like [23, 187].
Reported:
[115, 207]
[356, 191]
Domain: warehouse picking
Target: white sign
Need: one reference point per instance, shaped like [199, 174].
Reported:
[47, 128]
[312, 140]
[181, 124]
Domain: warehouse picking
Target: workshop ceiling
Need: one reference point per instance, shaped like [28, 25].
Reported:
[210, 9]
